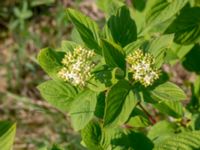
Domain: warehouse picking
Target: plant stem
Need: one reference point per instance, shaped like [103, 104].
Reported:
[153, 121]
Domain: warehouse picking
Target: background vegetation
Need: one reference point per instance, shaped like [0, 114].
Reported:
[26, 26]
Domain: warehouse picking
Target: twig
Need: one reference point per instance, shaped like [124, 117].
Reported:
[153, 121]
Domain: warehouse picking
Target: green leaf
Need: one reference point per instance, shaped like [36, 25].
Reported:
[139, 4]
[58, 94]
[194, 3]
[104, 77]
[172, 108]
[135, 45]
[140, 15]
[182, 141]
[36, 3]
[181, 50]
[100, 107]
[122, 27]
[75, 36]
[127, 107]
[161, 131]
[7, 134]
[197, 86]
[194, 104]
[119, 139]
[162, 10]
[195, 121]
[83, 108]
[95, 137]
[191, 61]
[68, 46]
[186, 26]
[56, 147]
[139, 141]
[159, 29]
[50, 61]
[113, 138]
[138, 119]
[113, 55]
[87, 29]
[158, 47]
[109, 6]
[171, 57]
[91, 136]
[127, 140]
[167, 92]
[119, 104]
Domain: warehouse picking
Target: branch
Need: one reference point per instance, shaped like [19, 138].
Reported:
[153, 121]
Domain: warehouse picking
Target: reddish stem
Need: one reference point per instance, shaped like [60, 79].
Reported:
[153, 121]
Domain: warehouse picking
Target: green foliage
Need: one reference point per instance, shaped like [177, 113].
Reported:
[171, 108]
[186, 26]
[109, 6]
[194, 104]
[119, 104]
[161, 131]
[138, 119]
[7, 134]
[68, 46]
[184, 141]
[123, 140]
[139, 4]
[113, 110]
[60, 95]
[55, 147]
[50, 61]
[22, 14]
[162, 10]
[83, 108]
[122, 33]
[95, 137]
[87, 29]
[91, 136]
[158, 47]
[179, 51]
[167, 92]
[113, 54]
[35, 3]
[191, 60]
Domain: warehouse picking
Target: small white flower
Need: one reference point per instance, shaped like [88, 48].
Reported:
[137, 76]
[77, 66]
[137, 67]
[147, 80]
[142, 67]
[145, 65]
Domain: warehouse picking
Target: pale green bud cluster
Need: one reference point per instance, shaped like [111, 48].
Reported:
[77, 66]
[142, 66]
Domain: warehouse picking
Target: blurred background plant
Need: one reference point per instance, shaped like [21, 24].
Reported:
[26, 26]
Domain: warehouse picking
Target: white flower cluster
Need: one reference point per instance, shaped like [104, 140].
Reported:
[77, 66]
[141, 65]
